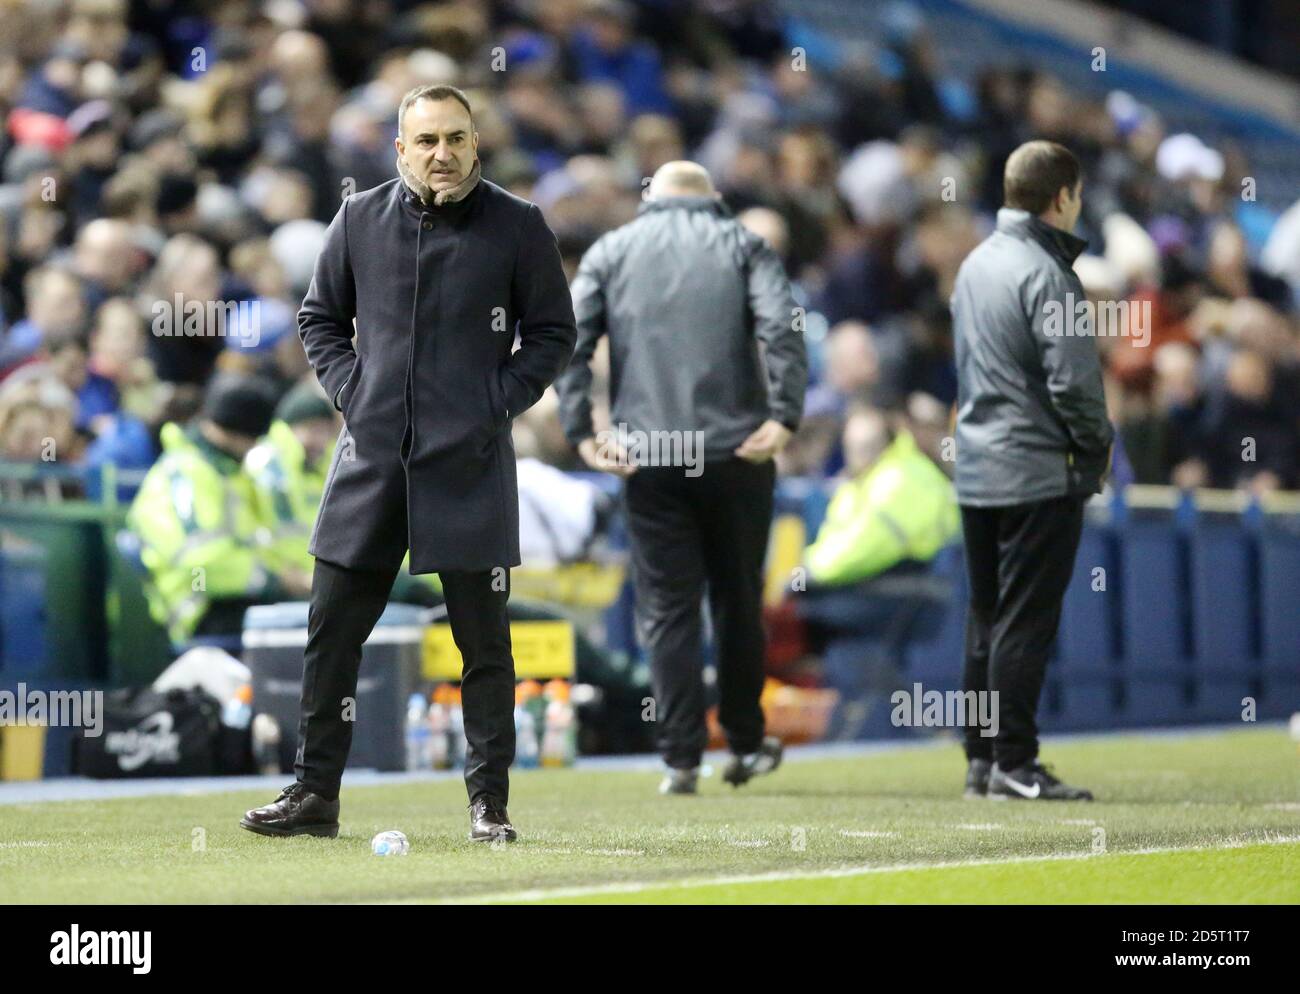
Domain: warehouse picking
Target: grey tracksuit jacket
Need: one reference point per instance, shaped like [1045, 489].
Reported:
[686, 295]
[1031, 415]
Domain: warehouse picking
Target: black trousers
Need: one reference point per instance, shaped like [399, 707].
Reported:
[1019, 560]
[690, 535]
[345, 604]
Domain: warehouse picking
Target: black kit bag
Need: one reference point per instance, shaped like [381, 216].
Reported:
[152, 734]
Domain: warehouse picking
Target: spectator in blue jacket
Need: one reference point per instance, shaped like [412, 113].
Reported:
[605, 51]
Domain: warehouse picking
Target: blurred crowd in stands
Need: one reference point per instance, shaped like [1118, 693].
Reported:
[183, 152]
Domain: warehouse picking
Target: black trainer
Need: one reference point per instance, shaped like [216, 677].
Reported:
[297, 811]
[1032, 782]
[977, 778]
[489, 822]
[741, 769]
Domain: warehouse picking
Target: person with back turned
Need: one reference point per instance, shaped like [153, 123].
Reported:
[687, 297]
[1033, 444]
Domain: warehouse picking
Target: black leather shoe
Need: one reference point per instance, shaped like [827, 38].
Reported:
[488, 821]
[297, 811]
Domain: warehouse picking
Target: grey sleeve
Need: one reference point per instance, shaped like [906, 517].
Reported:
[1070, 361]
[785, 357]
[589, 311]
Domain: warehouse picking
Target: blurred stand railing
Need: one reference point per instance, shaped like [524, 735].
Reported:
[71, 609]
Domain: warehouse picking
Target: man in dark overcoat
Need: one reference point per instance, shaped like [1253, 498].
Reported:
[419, 294]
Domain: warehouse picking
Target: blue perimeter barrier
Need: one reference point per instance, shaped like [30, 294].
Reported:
[1182, 609]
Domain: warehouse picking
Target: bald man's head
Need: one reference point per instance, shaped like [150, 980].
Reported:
[681, 179]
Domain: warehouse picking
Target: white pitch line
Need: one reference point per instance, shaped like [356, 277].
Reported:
[560, 893]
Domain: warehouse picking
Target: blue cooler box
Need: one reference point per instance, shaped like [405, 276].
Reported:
[274, 638]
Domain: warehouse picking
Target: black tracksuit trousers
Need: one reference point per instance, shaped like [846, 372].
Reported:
[689, 535]
[1019, 560]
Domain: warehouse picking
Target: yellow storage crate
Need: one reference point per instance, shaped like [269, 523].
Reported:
[583, 584]
[22, 752]
[543, 650]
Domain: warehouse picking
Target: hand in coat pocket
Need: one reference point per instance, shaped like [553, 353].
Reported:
[497, 401]
[350, 387]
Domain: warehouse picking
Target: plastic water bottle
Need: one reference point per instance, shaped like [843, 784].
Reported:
[439, 731]
[417, 733]
[456, 730]
[533, 700]
[266, 744]
[390, 843]
[525, 735]
[238, 711]
[558, 740]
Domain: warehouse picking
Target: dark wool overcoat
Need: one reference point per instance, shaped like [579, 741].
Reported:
[439, 295]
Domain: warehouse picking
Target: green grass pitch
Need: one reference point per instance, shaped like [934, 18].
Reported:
[1203, 818]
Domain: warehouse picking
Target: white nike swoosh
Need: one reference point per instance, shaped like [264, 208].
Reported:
[1022, 790]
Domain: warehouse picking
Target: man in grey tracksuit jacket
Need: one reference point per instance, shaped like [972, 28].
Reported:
[707, 379]
[1033, 443]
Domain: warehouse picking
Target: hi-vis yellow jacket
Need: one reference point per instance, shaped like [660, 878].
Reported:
[903, 507]
[204, 531]
[291, 490]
